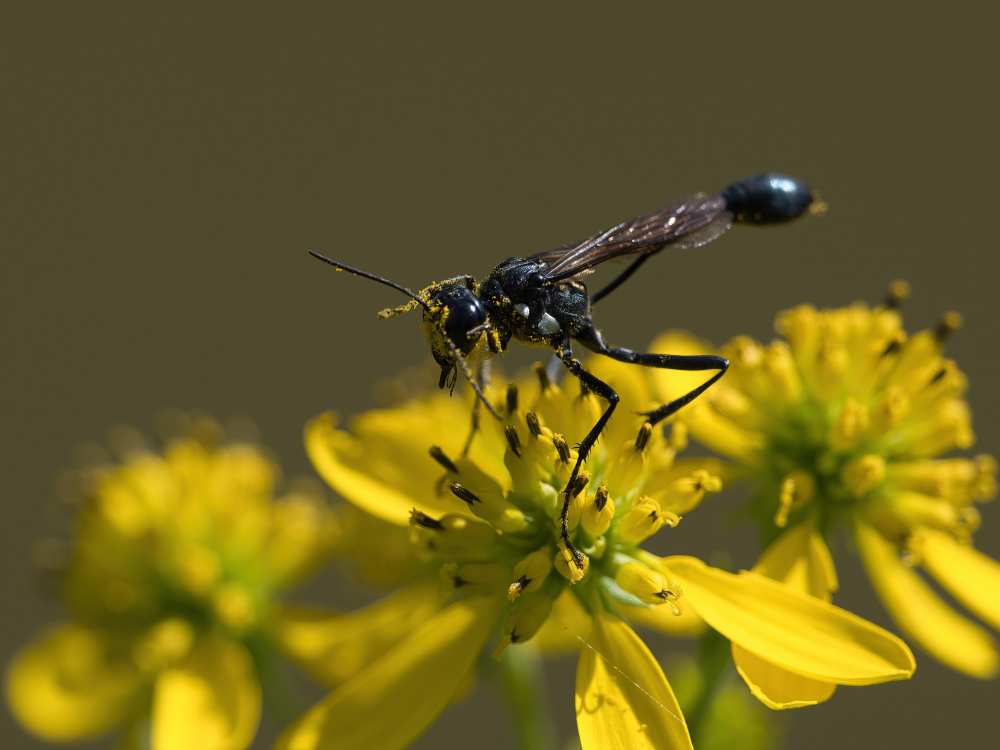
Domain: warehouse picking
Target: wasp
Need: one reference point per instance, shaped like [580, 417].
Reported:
[541, 299]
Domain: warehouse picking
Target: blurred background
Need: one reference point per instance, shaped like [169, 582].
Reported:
[166, 170]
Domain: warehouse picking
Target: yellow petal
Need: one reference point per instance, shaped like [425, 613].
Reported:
[708, 425]
[969, 575]
[391, 703]
[332, 647]
[211, 700]
[64, 687]
[661, 618]
[921, 614]
[800, 633]
[776, 687]
[363, 471]
[568, 623]
[800, 559]
[623, 700]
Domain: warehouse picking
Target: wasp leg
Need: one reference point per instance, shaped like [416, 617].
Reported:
[483, 380]
[592, 339]
[619, 279]
[605, 391]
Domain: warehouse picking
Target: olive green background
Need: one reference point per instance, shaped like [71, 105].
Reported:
[165, 171]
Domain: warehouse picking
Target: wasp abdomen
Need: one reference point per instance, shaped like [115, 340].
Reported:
[767, 198]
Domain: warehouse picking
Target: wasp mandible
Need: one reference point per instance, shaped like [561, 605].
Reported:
[541, 299]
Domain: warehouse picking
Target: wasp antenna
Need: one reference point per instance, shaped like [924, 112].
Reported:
[464, 367]
[373, 277]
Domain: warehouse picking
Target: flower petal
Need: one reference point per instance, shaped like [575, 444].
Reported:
[920, 613]
[211, 700]
[969, 575]
[64, 687]
[776, 687]
[332, 647]
[797, 632]
[711, 428]
[386, 481]
[391, 703]
[800, 559]
[662, 618]
[566, 625]
[623, 700]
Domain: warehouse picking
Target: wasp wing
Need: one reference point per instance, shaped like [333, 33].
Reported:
[687, 222]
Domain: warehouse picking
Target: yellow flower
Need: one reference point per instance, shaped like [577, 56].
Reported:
[170, 588]
[490, 519]
[845, 420]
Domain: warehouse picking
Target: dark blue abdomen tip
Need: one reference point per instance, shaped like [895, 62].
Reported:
[767, 198]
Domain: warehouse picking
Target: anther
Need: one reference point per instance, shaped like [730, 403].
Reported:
[513, 440]
[517, 587]
[601, 497]
[534, 426]
[578, 484]
[948, 367]
[643, 437]
[511, 399]
[463, 494]
[898, 340]
[439, 455]
[950, 321]
[899, 290]
[543, 377]
[562, 447]
[419, 518]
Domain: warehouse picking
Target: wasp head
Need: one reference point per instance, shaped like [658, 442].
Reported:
[456, 316]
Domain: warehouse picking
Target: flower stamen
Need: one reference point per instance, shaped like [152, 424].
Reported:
[513, 440]
[439, 455]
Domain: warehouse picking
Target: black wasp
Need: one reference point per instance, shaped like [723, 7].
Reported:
[540, 299]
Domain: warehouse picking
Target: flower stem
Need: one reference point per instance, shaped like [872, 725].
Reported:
[523, 684]
[714, 655]
[279, 697]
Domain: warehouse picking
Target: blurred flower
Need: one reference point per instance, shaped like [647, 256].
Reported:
[844, 420]
[490, 520]
[171, 589]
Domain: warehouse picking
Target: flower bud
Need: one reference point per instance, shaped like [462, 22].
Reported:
[863, 474]
[475, 578]
[531, 572]
[598, 510]
[648, 585]
[454, 535]
[527, 617]
[641, 522]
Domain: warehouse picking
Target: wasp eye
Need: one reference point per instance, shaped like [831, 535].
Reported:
[464, 316]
